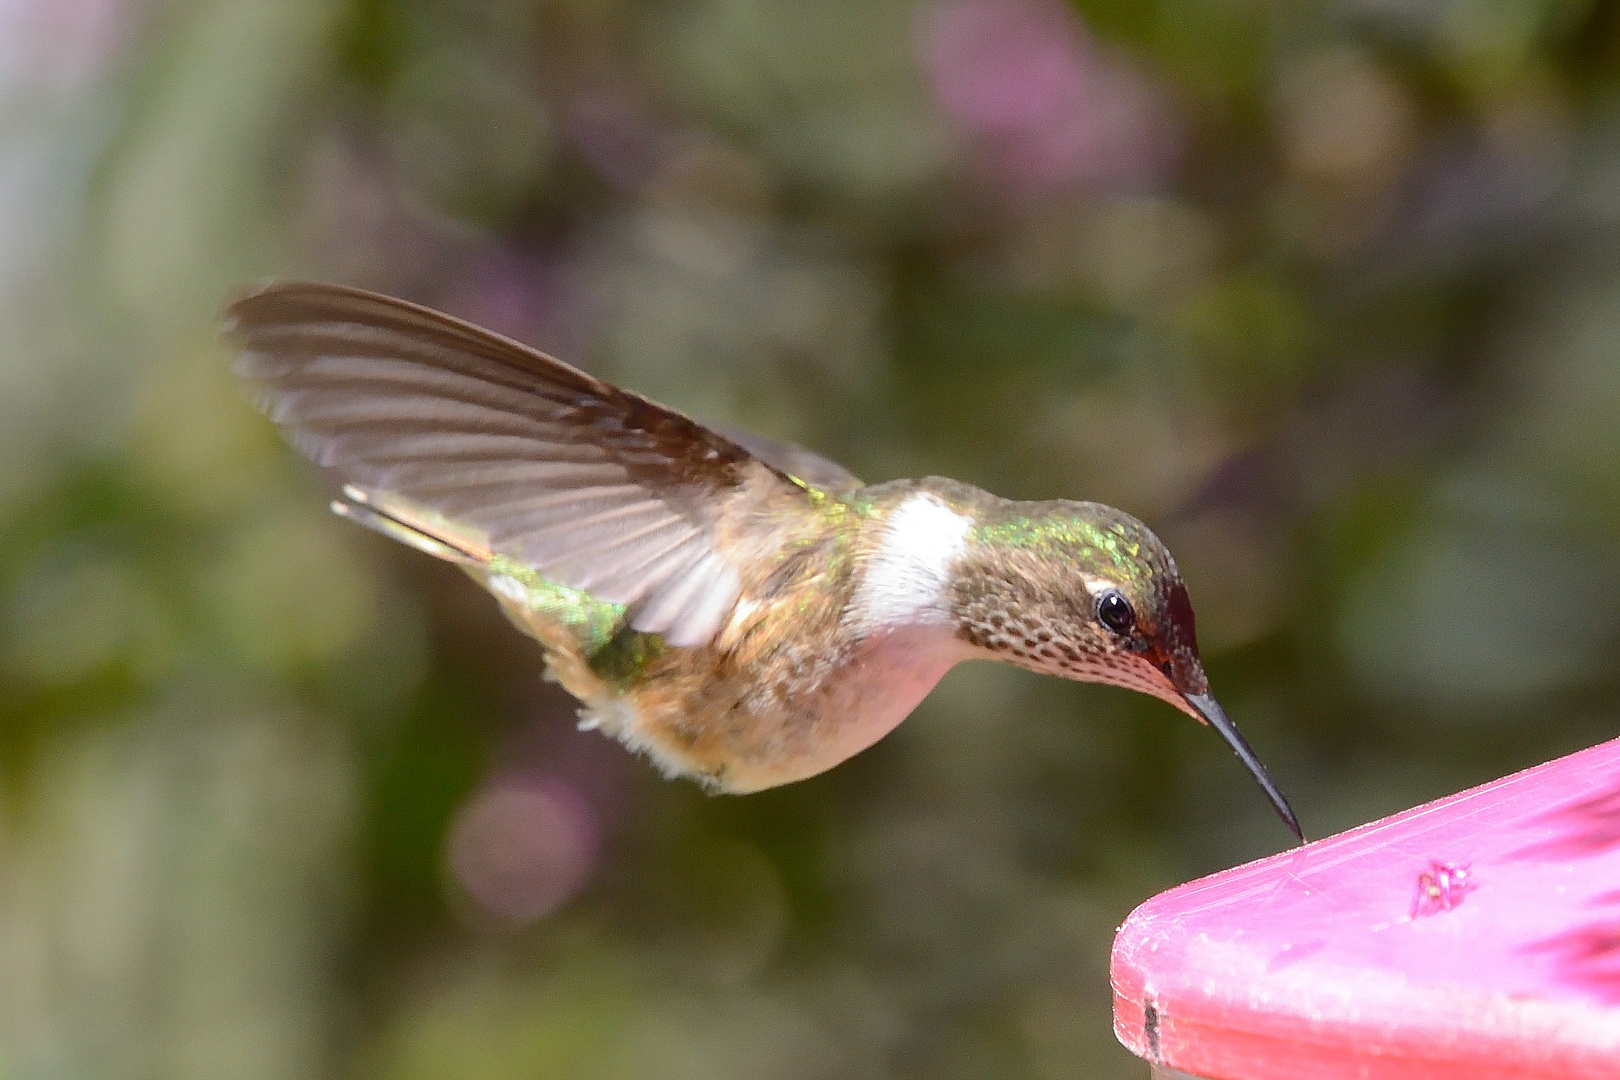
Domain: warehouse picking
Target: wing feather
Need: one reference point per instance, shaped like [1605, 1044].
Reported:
[794, 460]
[596, 488]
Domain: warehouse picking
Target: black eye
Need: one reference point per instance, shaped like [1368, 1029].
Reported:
[1114, 612]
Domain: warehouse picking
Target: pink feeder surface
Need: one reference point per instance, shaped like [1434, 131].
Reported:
[1477, 936]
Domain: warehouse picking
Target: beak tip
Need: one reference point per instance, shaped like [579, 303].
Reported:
[1210, 710]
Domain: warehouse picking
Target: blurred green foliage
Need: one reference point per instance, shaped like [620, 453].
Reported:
[1325, 291]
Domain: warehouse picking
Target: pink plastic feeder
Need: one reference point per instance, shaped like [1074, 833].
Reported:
[1477, 936]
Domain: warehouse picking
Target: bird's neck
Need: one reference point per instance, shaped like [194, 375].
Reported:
[909, 573]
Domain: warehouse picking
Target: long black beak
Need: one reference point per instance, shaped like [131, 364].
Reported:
[1211, 710]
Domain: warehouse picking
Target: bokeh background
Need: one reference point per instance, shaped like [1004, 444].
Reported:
[1328, 292]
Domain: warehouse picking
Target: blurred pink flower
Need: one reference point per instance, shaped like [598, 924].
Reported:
[61, 44]
[617, 137]
[535, 296]
[1046, 112]
[522, 847]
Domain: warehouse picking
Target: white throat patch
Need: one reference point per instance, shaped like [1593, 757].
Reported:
[908, 578]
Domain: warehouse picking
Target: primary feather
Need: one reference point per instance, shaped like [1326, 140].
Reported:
[594, 487]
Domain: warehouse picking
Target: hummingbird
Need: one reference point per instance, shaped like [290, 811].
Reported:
[742, 612]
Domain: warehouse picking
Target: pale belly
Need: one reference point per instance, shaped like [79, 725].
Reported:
[886, 679]
[753, 735]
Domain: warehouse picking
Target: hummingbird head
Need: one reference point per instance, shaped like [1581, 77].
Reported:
[1087, 592]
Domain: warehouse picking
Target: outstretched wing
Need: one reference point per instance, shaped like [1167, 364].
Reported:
[596, 488]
